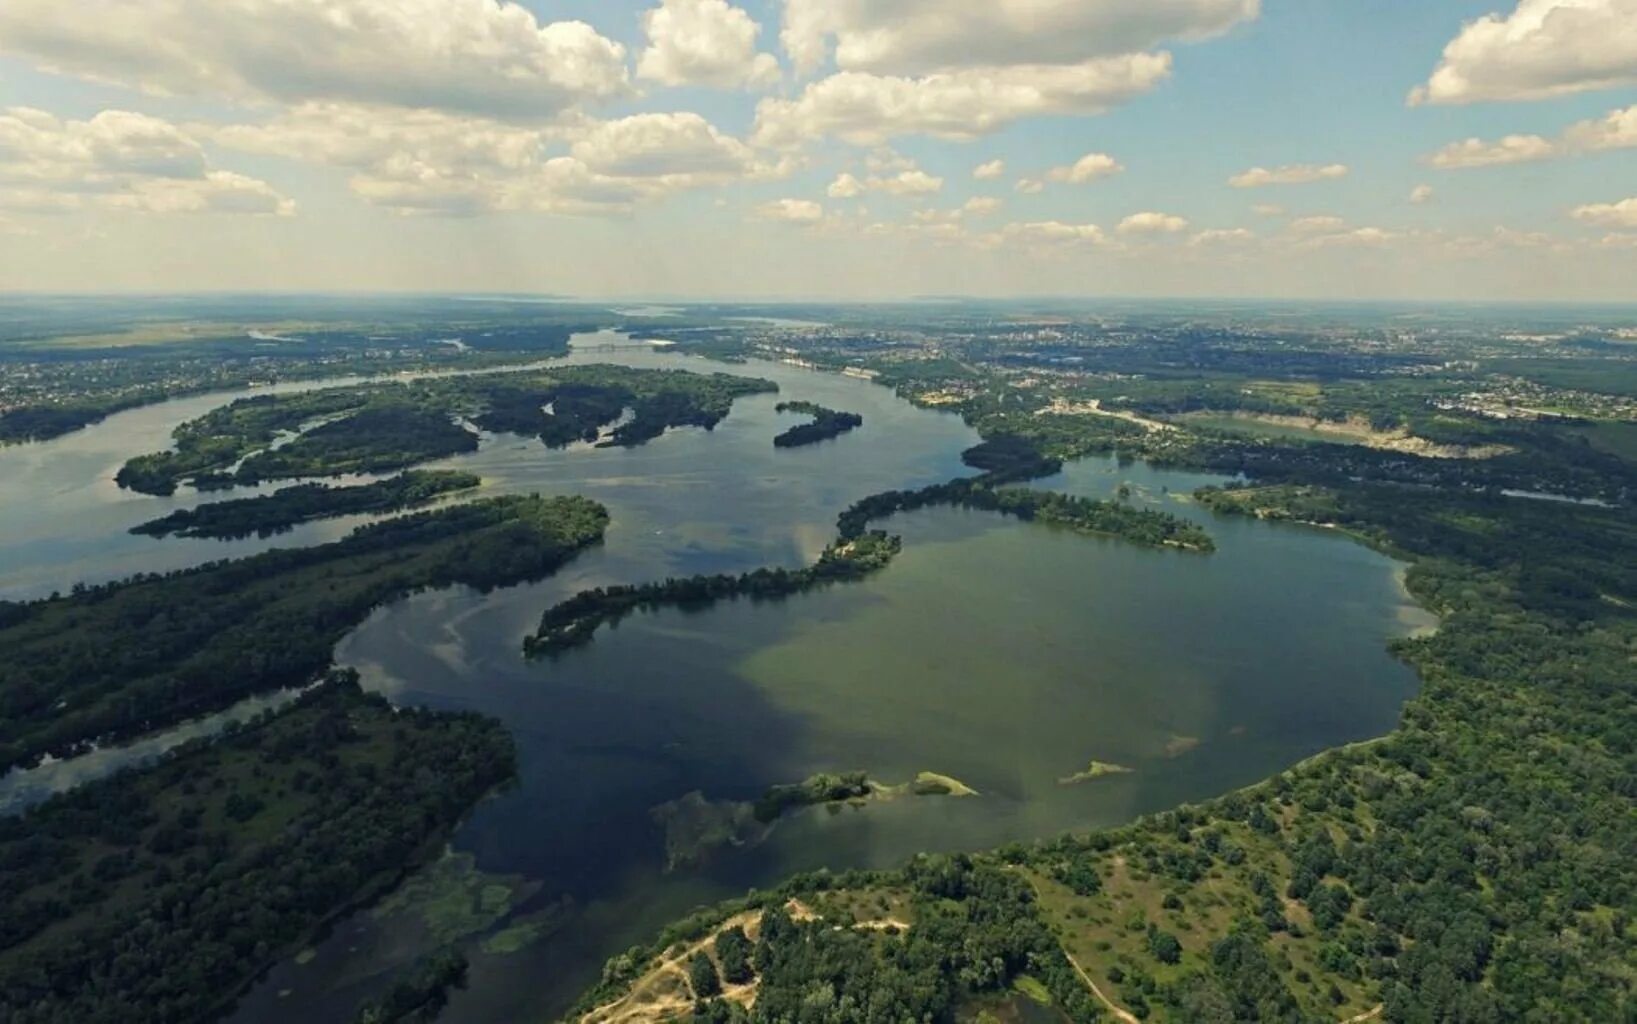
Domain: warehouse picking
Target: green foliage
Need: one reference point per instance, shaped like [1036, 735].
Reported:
[292, 506]
[733, 949]
[1477, 865]
[384, 427]
[380, 438]
[976, 930]
[826, 424]
[574, 622]
[125, 658]
[823, 788]
[1164, 946]
[702, 977]
[146, 896]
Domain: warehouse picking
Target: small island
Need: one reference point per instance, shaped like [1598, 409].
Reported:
[574, 622]
[826, 424]
[286, 509]
[695, 825]
[859, 551]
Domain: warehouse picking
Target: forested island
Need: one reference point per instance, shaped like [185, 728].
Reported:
[114, 661]
[826, 424]
[574, 622]
[385, 427]
[1083, 515]
[161, 893]
[288, 508]
[858, 551]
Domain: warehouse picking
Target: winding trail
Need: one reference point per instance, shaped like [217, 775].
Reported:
[1125, 1016]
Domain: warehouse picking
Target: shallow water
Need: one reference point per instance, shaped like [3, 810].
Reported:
[1004, 654]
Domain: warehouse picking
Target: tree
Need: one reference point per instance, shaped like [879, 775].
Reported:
[703, 977]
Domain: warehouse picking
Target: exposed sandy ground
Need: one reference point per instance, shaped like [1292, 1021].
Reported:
[663, 993]
[1358, 431]
[1094, 407]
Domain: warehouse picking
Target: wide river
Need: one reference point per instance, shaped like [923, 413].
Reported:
[1006, 655]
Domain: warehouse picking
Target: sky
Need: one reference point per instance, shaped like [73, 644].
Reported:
[823, 149]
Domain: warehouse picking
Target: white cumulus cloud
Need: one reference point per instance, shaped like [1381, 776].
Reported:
[1150, 222]
[1088, 168]
[1290, 174]
[795, 211]
[429, 162]
[1616, 130]
[1053, 233]
[911, 181]
[1622, 214]
[475, 56]
[1223, 236]
[1421, 194]
[991, 170]
[1510, 149]
[118, 160]
[868, 109]
[922, 36]
[1320, 224]
[1544, 48]
[959, 69]
[704, 42]
[846, 186]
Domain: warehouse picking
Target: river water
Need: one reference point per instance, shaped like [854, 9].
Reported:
[1003, 654]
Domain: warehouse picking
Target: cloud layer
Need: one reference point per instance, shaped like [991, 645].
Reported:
[471, 56]
[924, 36]
[117, 160]
[1544, 48]
[1290, 174]
[1618, 130]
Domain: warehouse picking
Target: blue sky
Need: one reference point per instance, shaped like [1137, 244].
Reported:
[681, 153]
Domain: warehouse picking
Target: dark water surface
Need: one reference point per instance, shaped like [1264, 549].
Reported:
[1006, 655]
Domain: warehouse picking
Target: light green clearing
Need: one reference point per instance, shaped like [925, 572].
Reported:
[1032, 987]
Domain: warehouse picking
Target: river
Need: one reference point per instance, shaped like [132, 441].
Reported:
[1003, 654]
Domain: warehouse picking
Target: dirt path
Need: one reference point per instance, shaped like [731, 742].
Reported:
[1125, 1016]
[1366, 1015]
[664, 993]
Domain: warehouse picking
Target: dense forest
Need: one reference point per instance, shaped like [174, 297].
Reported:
[944, 939]
[118, 660]
[288, 508]
[385, 427]
[825, 424]
[159, 894]
[1475, 866]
